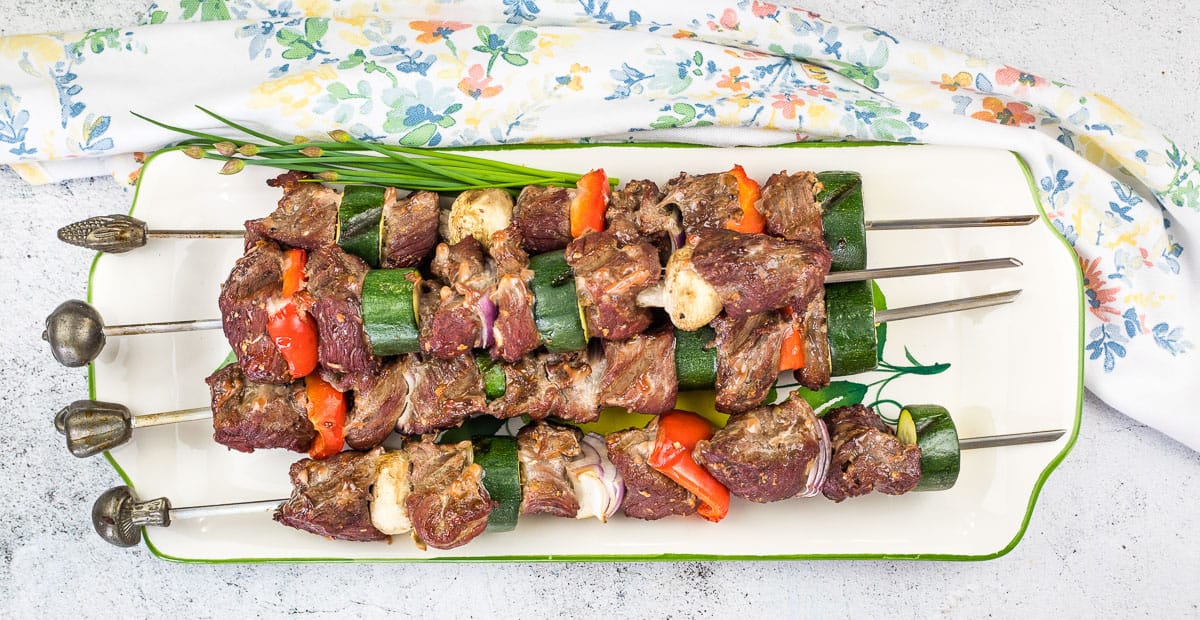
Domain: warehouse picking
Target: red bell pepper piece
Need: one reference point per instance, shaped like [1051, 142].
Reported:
[591, 203]
[678, 433]
[791, 352]
[751, 221]
[327, 412]
[292, 329]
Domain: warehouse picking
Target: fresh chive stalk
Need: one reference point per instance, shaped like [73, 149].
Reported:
[351, 161]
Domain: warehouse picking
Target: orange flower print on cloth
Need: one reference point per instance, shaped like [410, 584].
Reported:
[1099, 297]
[434, 31]
[787, 103]
[962, 79]
[734, 80]
[1011, 113]
[477, 85]
[1021, 81]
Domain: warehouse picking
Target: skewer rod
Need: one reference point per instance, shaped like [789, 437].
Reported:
[195, 234]
[942, 307]
[161, 328]
[952, 222]
[171, 417]
[1012, 439]
[222, 510]
[879, 273]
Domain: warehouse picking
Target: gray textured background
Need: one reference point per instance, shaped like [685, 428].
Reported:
[1115, 530]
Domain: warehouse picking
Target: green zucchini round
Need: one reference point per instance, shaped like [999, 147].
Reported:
[502, 479]
[389, 309]
[494, 381]
[851, 327]
[938, 439]
[843, 219]
[695, 359]
[359, 217]
[555, 303]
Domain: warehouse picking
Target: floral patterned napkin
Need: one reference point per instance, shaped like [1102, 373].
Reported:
[450, 73]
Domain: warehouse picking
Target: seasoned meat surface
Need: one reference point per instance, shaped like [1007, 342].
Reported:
[442, 393]
[867, 456]
[609, 274]
[765, 454]
[528, 390]
[306, 217]
[410, 228]
[756, 273]
[648, 494]
[332, 497]
[789, 204]
[747, 359]
[256, 280]
[576, 375]
[378, 403]
[514, 332]
[448, 504]
[454, 325]
[706, 201]
[543, 450]
[639, 373]
[507, 251]
[812, 323]
[543, 217]
[335, 281]
[641, 202]
[249, 416]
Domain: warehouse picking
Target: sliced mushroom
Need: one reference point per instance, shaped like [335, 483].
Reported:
[388, 512]
[478, 213]
[687, 297]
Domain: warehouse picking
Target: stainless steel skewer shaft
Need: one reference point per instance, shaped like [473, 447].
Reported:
[93, 426]
[119, 517]
[117, 233]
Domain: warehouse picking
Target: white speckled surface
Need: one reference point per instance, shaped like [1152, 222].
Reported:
[1114, 533]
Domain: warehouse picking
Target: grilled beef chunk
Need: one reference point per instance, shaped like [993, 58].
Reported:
[766, 454]
[448, 504]
[609, 275]
[789, 204]
[453, 326]
[410, 228]
[515, 333]
[577, 378]
[527, 391]
[354, 381]
[867, 456]
[641, 202]
[813, 324]
[442, 393]
[449, 326]
[747, 359]
[256, 279]
[757, 273]
[648, 494]
[332, 498]
[249, 416]
[378, 403]
[543, 450]
[706, 201]
[335, 281]
[306, 217]
[543, 217]
[639, 373]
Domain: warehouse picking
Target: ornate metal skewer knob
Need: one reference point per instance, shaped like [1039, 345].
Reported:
[93, 426]
[119, 517]
[116, 233]
[77, 333]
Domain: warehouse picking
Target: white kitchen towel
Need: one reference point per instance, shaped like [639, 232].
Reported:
[464, 72]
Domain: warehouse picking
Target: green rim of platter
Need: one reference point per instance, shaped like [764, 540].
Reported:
[670, 557]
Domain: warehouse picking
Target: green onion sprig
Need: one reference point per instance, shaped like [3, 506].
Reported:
[346, 159]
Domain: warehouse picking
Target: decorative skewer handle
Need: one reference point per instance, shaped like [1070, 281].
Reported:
[77, 333]
[93, 426]
[119, 517]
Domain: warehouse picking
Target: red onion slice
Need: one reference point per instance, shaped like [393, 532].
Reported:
[487, 315]
[598, 486]
[820, 465]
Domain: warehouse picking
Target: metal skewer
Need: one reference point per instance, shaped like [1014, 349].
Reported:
[76, 331]
[117, 233]
[119, 517]
[93, 426]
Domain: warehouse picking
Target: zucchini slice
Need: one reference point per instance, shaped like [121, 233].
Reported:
[389, 309]
[843, 218]
[851, 325]
[938, 439]
[695, 361]
[494, 381]
[556, 309]
[358, 221]
[502, 479]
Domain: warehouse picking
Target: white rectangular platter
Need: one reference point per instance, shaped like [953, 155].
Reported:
[1013, 368]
